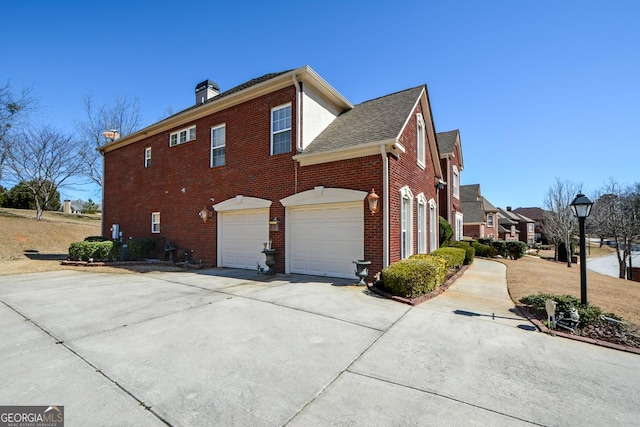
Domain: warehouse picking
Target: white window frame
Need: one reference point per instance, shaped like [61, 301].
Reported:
[422, 223]
[147, 157]
[155, 222]
[530, 227]
[490, 220]
[218, 147]
[459, 226]
[275, 132]
[181, 136]
[433, 225]
[406, 223]
[456, 182]
[421, 142]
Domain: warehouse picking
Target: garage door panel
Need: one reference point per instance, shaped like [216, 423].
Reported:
[325, 239]
[243, 235]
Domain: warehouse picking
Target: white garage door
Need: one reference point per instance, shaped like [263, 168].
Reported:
[325, 239]
[243, 234]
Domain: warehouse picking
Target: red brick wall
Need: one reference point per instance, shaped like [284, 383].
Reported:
[406, 172]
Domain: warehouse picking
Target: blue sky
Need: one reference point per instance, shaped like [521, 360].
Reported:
[539, 89]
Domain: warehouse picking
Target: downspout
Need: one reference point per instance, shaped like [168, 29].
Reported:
[102, 201]
[298, 141]
[449, 206]
[385, 206]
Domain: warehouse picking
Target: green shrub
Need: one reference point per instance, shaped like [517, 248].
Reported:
[470, 252]
[141, 247]
[501, 247]
[589, 314]
[453, 256]
[411, 278]
[86, 250]
[484, 250]
[446, 232]
[516, 249]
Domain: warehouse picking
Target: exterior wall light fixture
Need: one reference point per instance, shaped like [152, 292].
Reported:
[205, 214]
[274, 224]
[373, 198]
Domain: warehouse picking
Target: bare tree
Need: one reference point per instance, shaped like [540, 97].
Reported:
[13, 107]
[616, 216]
[44, 159]
[559, 223]
[123, 116]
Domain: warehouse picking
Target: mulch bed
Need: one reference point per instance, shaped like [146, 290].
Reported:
[449, 280]
[190, 266]
[607, 334]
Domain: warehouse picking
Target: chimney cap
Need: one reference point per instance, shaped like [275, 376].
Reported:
[207, 84]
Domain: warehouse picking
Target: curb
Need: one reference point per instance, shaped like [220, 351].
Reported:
[542, 328]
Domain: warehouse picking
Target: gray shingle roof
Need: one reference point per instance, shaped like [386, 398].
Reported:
[447, 141]
[469, 193]
[473, 211]
[536, 214]
[375, 120]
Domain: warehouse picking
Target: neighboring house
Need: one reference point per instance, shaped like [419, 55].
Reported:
[508, 227]
[450, 149]
[516, 226]
[74, 207]
[537, 216]
[480, 216]
[285, 160]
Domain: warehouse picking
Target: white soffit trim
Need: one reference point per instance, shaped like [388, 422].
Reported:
[362, 150]
[241, 202]
[322, 195]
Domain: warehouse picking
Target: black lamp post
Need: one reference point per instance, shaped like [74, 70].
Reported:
[581, 207]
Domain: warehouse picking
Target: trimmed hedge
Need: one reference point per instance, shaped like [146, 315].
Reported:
[139, 249]
[446, 231]
[516, 249]
[453, 256]
[470, 252]
[91, 250]
[413, 277]
[484, 250]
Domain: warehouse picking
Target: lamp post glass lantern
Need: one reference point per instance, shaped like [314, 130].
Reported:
[581, 207]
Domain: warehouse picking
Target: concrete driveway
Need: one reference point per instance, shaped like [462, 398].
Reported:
[228, 347]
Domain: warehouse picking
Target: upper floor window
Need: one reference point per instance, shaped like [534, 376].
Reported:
[489, 220]
[182, 136]
[155, 222]
[218, 138]
[281, 129]
[530, 228]
[456, 183]
[421, 138]
[147, 157]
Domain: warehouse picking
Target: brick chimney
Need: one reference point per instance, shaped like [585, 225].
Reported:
[206, 90]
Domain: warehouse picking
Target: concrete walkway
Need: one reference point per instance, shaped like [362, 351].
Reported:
[227, 347]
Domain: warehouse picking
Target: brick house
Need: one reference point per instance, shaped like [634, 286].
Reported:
[524, 226]
[537, 216]
[480, 216]
[451, 163]
[283, 159]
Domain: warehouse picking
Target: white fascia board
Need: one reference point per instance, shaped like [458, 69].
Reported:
[362, 150]
[306, 74]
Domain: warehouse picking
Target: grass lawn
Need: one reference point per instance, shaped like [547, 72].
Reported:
[533, 275]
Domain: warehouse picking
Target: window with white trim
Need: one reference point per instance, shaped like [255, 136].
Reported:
[459, 226]
[406, 223]
[147, 157]
[218, 139]
[182, 136]
[155, 222]
[456, 182]
[281, 129]
[433, 225]
[422, 224]
[530, 228]
[421, 138]
[489, 220]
